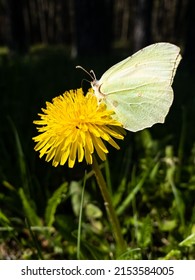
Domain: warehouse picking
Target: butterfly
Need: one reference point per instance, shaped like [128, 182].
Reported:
[138, 89]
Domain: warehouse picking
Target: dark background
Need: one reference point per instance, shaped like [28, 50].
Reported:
[98, 26]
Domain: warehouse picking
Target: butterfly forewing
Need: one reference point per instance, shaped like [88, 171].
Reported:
[139, 88]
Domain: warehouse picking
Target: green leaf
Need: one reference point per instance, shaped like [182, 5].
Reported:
[53, 203]
[76, 194]
[132, 194]
[145, 234]
[173, 255]
[3, 218]
[168, 225]
[189, 241]
[92, 211]
[28, 209]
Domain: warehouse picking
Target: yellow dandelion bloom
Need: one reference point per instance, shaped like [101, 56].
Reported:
[73, 126]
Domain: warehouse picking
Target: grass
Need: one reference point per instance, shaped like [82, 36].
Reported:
[151, 179]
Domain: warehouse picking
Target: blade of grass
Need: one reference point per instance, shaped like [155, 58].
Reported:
[34, 238]
[21, 159]
[132, 194]
[189, 241]
[80, 219]
[171, 172]
[181, 143]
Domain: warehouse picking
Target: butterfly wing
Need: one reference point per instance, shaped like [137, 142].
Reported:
[139, 88]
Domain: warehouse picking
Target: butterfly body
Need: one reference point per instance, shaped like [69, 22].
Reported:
[138, 89]
[96, 87]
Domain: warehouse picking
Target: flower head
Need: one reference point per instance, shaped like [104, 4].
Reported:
[74, 126]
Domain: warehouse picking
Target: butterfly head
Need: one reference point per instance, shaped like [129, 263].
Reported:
[94, 83]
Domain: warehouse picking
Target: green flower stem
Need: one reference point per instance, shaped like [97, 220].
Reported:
[109, 207]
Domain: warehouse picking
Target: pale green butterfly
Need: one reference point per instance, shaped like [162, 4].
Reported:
[138, 89]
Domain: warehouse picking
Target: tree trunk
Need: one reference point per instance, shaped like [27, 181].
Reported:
[190, 34]
[17, 37]
[142, 23]
[93, 25]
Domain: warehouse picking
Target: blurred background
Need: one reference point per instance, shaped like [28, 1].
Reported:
[41, 42]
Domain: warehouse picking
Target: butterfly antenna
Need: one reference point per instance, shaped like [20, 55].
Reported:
[91, 73]
[83, 81]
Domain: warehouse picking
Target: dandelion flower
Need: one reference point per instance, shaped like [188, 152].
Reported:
[74, 126]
